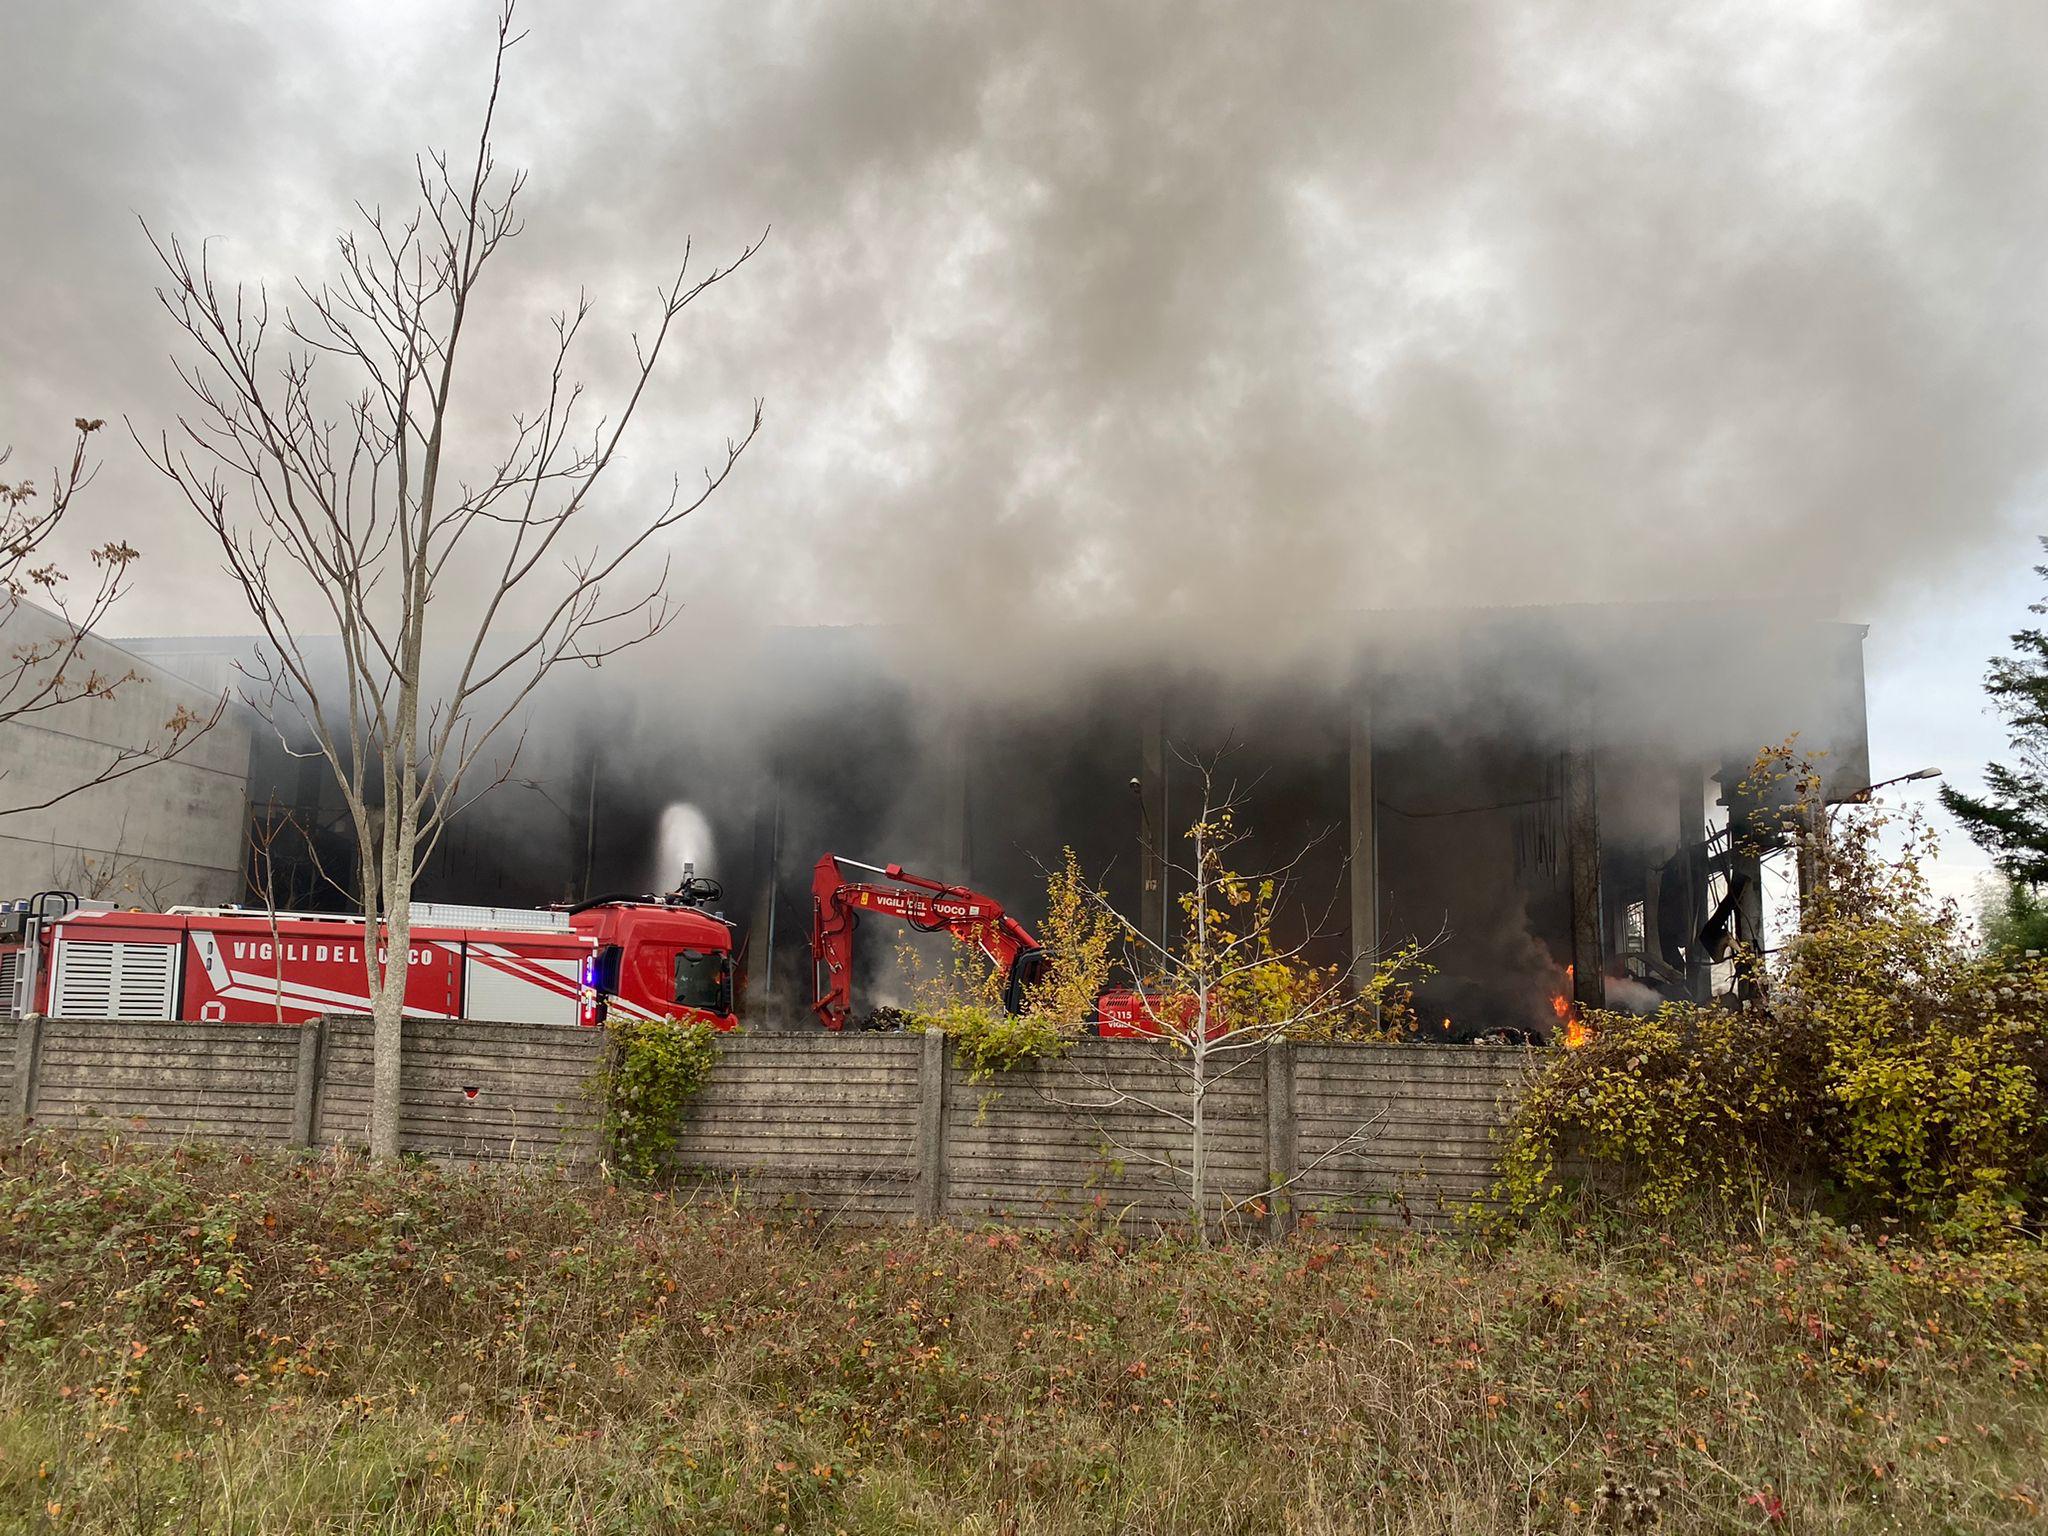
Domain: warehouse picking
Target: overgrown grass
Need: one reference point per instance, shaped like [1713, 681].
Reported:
[211, 1340]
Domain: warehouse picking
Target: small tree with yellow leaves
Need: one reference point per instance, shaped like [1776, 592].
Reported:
[1080, 939]
[1227, 989]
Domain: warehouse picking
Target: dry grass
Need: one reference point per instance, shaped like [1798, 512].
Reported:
[204, 1340]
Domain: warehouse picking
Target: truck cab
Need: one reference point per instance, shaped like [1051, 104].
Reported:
[660, 961]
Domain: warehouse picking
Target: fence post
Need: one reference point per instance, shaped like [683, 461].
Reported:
[28, 1061]
[1282, 1161]
[932, 1072]
[306, 1087]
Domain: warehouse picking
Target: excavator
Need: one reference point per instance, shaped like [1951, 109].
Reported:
[929, 906]
[932, 906]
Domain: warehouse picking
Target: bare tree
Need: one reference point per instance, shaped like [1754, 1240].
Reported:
[117, 875]
[46, 668]
[1219, 996]
[355, 519]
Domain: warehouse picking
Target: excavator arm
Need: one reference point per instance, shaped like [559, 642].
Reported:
[929, 906]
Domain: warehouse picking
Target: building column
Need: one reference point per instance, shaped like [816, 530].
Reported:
[1692, 840]
[1365, 855]
[761, 921]
[1582, 852]
[1154, 835]
[1745, 879]
[956, 847]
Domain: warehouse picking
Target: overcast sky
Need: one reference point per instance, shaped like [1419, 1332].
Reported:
[1072, 307]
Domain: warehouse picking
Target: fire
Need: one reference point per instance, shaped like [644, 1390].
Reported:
[1576, 1033]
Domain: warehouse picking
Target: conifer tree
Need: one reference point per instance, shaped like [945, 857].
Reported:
[2010, 820]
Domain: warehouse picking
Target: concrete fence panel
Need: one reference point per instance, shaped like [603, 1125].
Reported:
[470, 1090]
[166, 1082]
[1096, 1132]
[822, 1121]
[1398, 1133]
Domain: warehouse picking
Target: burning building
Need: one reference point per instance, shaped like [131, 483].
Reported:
[1543, 796]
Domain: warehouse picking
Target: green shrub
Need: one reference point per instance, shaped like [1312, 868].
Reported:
[991, 1041]
[1685, 1101]
[657, 1066]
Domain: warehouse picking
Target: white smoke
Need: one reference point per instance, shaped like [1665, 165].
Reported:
[682, 836]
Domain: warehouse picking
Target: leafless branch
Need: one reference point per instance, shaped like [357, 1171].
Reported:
[317, 447]
[45, 647]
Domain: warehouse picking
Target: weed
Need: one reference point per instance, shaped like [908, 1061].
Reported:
[212, 1339]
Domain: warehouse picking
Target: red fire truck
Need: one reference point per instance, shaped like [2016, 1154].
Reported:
[635, 957]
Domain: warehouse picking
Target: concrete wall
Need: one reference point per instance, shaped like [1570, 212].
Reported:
[472, 1091]
[870, 1128]
[826, 1122]
[166, 1081]
[172, 832]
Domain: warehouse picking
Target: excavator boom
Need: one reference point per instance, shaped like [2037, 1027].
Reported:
[929, 906]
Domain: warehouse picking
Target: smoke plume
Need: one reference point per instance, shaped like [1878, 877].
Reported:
[1073, 311]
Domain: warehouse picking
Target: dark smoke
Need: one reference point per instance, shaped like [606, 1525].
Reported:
[1074, 311]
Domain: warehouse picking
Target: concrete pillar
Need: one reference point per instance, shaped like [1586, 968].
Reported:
[933, 1069]
[1582, 853]
[1283, 1159]
[1813, 853]
[1745, 878]
[760, 999]
[1747, 867]
[956, 848]
[1155, 836]
[306, 1085]
[28, 1060]
[1365, 858]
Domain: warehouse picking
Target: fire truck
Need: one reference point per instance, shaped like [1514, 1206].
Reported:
[635, 957]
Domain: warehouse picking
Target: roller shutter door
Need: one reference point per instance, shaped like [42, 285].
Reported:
[503, 987]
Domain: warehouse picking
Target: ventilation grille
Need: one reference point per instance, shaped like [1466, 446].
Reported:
[115, 981]
[10, 982]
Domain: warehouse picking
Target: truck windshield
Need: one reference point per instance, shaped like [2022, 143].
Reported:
[704, 980]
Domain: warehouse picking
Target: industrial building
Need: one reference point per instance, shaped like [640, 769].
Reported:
[1524, 791]
[169, 832]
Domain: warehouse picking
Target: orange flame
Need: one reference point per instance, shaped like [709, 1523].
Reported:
[1576, 1033]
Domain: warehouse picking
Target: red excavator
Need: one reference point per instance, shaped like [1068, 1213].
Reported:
[929, 906]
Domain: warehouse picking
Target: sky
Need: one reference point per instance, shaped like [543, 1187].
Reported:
[1221, 310]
